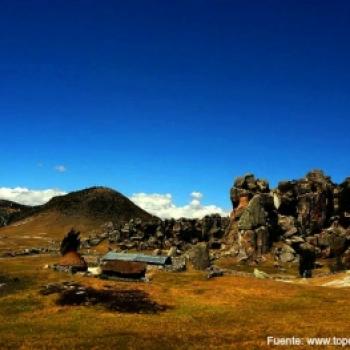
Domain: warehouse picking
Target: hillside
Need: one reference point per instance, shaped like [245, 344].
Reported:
[85, 210]
[98, 203]
[12, 211]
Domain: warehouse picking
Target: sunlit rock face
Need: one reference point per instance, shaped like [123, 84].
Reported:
[253, 217]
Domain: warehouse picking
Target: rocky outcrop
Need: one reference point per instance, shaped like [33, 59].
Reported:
[311, 212]
[310, 200]
[253, 218]
[296, 220]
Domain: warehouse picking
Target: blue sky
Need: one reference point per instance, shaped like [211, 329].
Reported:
[172, 97]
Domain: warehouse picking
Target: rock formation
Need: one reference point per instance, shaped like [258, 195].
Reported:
[164, 234]
[297, 219]
[253, 219]
[300, 219]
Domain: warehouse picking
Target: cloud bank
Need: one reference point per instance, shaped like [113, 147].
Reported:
[26, 196]
[162, 205]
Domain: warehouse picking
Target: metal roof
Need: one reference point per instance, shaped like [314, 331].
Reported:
[149, 259]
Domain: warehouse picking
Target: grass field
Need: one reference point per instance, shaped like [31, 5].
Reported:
[224, 313]
[40, 230]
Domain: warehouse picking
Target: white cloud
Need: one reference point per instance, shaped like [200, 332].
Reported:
[197, 195]
[29, 197]
[162, 206]
[60, 168]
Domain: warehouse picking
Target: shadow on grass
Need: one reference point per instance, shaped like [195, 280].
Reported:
[128, 301]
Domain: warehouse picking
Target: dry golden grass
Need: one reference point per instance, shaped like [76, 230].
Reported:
[39, 230]
[223, 313]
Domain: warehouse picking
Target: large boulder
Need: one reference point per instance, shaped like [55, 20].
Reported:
[247, 186]
[286, 198]
[287, 225]
[254, 215]
[284, 253]
[310, 200]
[253, 219]
[198, 256]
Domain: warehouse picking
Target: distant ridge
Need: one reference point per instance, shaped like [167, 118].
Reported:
[98, 203]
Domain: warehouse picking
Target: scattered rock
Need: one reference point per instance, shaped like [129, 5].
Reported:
[178, 264]
[172, 252]
[260, 274]
[214, 271]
